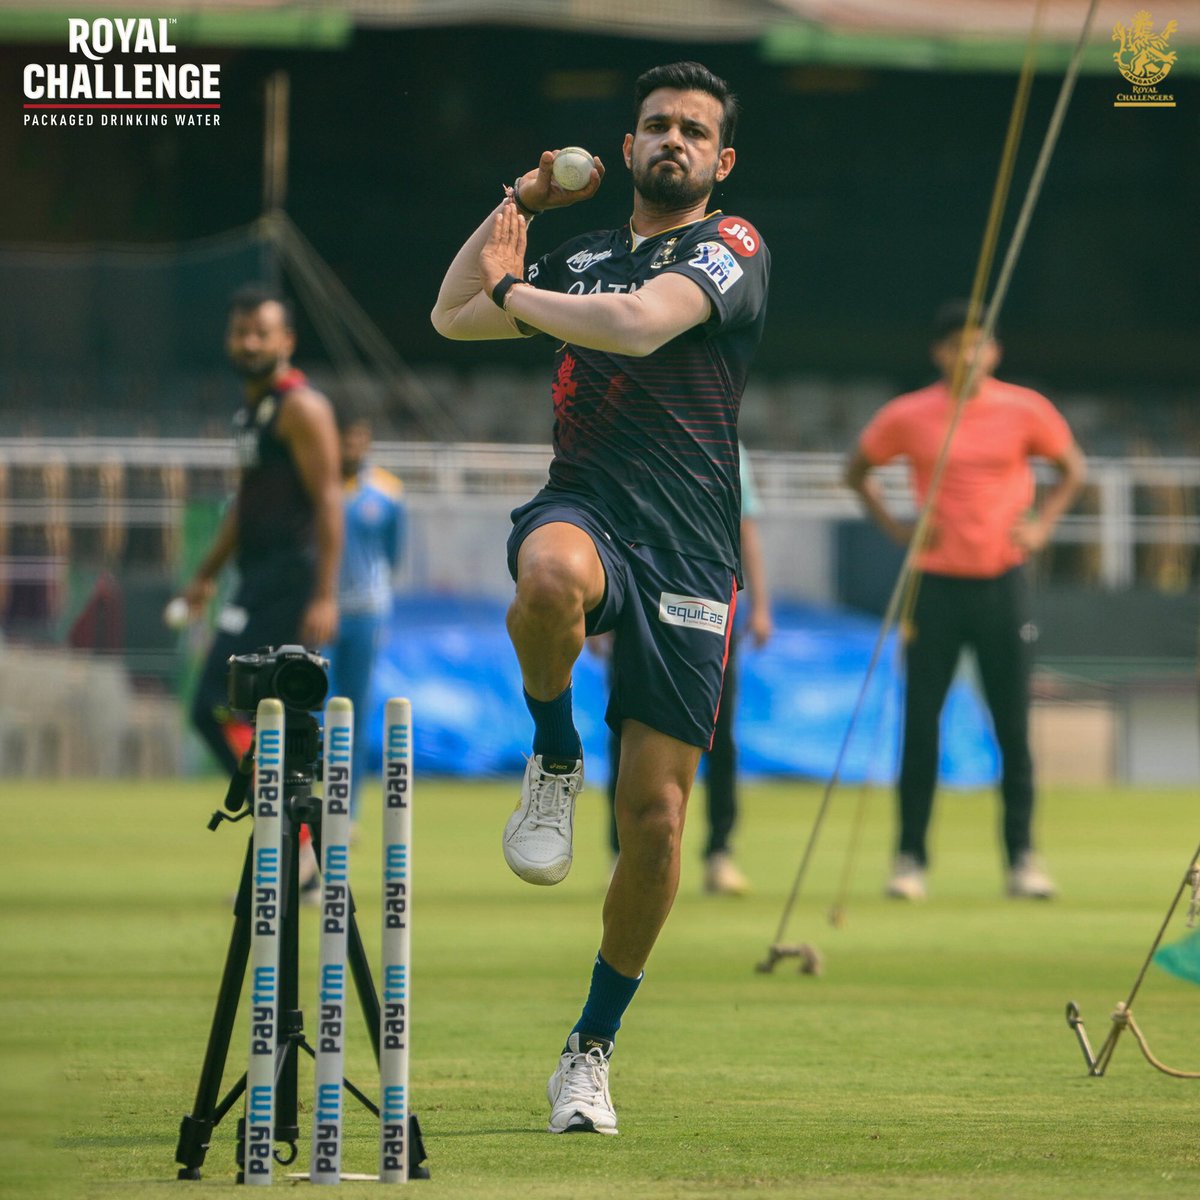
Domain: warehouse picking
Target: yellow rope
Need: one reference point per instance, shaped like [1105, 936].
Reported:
[1123, 1018]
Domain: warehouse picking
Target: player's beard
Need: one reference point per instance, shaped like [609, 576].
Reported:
[672, 189]
[258, 370]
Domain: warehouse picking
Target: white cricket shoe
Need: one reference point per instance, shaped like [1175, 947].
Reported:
[537, 838]
[1028, 880]
[722, 877]
[908, 879]
[578, 1089]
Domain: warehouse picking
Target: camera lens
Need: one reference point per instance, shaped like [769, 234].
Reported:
[300, 684]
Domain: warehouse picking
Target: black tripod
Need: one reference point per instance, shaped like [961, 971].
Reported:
[301, 760]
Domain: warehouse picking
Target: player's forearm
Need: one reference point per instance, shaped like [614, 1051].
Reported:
[754, 572]
[1056, 502]
[857, 477]
[1060, 497]
[328, 521]
[617, 323]
[872, 498]
[464, 311]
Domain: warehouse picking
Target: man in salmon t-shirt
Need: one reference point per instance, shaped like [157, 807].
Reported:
[971, 587]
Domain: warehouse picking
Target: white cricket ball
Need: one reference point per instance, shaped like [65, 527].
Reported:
[177, 614]
[572, 168]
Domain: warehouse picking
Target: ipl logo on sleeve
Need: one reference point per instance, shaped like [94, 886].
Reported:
[718, 263]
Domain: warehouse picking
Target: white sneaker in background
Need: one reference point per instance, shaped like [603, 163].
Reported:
[1028, 880]
[537, 838]
[578, 1089]
[722, 877]
[908, 879]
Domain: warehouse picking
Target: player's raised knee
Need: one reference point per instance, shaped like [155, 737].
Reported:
[552, 582]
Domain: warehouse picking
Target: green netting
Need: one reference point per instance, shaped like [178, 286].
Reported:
[1182, 958]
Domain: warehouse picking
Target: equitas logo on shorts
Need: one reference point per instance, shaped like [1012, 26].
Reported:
[142, 89]
[692, 612]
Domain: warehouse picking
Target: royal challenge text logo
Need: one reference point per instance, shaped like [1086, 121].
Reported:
[1144, 60]
[122, 71]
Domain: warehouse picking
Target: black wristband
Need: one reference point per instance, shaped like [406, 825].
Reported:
[501, 290]
[529, 213]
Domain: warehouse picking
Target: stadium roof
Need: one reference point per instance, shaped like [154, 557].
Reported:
[915, 34]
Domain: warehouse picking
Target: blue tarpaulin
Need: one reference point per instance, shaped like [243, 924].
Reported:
[451, 656]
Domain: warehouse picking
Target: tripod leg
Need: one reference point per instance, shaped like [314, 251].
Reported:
[195, 1130]
[360, 968]
[291, 1018]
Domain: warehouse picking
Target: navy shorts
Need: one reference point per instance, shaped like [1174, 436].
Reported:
[266, 610]
[671, 615]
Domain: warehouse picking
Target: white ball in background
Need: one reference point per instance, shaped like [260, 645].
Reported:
[177, 614]
[572, 168]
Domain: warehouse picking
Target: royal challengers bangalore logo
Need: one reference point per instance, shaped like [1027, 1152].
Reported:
[1143, 58]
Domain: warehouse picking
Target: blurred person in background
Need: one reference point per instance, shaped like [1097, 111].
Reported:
[283, 528]
[722, 876]
[374, 519]
[971, 584]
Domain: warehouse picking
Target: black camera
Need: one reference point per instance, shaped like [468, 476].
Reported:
[288, 673]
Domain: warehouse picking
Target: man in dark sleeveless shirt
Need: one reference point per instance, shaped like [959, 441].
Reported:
[637, 529]
[284, 526]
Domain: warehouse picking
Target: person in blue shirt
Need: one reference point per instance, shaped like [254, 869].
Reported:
[373, 506]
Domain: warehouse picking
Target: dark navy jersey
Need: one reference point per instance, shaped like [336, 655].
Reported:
[274, 509]
[651, 443]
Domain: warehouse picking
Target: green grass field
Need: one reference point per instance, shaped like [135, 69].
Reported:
[931, 1059]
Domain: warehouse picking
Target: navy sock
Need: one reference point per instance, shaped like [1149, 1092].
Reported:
[609, 997]
[554, 733]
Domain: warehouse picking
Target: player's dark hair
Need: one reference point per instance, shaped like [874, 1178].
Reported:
[951, 317]
[348, 410]
[689, 77]
[252, 296]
